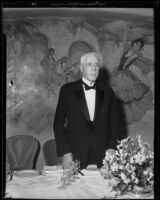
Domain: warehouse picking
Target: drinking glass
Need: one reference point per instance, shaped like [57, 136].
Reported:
[67, 174]
[8, 172]
[69, 167]
[60, 178]
[76, 167]
[71, 173]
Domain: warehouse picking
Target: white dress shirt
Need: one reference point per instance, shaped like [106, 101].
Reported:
[90, 98]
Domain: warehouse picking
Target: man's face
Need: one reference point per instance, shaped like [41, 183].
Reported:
[90, 68]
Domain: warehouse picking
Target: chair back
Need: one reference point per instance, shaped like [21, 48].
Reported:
[22, 152]
[50, 153]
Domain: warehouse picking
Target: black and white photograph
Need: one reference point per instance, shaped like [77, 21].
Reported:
[80, 100]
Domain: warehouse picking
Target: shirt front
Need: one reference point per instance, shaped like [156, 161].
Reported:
[90, 98]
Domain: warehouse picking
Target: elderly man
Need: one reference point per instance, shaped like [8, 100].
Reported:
[88, 118]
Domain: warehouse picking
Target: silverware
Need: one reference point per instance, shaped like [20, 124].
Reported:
[80, 172]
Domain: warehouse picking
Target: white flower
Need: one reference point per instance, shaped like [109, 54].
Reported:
[151, 174]
[145, 172]
[136, 181]
[120, 166]
[133, 176]
[151, 155]
[124, 161]
[133, 168]
[120, 151]
[127, 180]
[104, 162]
[109, 156]
[114, 167]
[117, 153]
[139, 158]
[118, 146]
[152, 182]
[114, 181]
[127, 166]
[123, 176]
[131, 160]
[143, 149]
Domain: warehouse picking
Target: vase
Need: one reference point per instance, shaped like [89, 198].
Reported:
[140, 191]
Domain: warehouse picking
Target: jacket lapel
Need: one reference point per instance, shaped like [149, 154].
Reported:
[79, 92]
[98, 103]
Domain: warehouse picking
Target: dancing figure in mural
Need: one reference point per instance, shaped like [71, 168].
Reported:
[135, 95]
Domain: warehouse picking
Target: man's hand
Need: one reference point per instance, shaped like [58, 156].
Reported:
[67, 160]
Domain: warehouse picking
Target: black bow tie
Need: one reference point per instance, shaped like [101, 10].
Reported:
[87, 87]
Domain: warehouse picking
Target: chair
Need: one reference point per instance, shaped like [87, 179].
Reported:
[22, 152]
[50, 153]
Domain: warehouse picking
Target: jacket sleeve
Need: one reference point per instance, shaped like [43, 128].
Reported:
[117, 121]
[59, 125]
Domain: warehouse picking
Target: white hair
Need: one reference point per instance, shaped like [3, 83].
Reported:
[83, 58]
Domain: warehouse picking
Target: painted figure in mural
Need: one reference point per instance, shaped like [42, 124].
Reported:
[66, 73]
[88, 120]
[62, 68]
[60, 73]
[54, 71]
[73, 73]
[49, 65]
[135, 95]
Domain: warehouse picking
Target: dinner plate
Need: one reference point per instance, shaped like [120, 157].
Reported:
[27, 173]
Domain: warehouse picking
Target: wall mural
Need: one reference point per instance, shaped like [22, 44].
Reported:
[43, 54]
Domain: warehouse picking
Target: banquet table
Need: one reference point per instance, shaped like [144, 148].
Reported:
[44, 186]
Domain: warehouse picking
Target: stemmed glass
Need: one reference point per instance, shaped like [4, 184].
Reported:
[60, 178]
[76, 167]
[71, 173]
[67, 174]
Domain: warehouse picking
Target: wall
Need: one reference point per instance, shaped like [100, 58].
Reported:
[43, 54]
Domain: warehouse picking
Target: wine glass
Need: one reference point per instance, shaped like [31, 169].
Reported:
[60, 178]
[67, 174]
[76, 167]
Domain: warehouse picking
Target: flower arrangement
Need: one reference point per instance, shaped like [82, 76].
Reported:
[132, 164]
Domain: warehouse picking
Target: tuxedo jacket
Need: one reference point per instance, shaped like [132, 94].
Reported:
[75, 133]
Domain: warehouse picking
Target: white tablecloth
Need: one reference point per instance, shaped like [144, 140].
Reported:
[90, 186]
